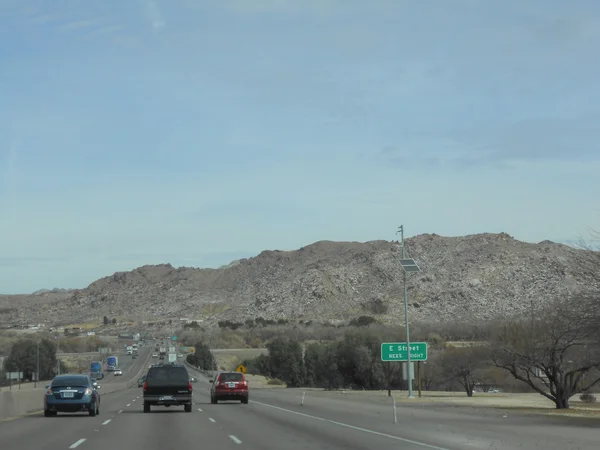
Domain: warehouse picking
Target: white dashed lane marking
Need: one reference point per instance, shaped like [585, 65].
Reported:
[129, 404]
[106, 422]
[234, 439]
[77, 444]
[212, 420]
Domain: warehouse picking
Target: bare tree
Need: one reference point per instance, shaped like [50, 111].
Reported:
[464, 364]
[558, 355]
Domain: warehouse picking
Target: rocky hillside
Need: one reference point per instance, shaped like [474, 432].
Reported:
[478, 276]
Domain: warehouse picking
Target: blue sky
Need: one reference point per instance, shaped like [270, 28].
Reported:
[197, 132]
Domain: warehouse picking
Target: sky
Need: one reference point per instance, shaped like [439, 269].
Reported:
[197, 132]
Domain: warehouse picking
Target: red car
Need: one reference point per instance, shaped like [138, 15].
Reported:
[229, 386]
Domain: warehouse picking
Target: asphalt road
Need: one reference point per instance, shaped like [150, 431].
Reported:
[274, 420]
[128, 365]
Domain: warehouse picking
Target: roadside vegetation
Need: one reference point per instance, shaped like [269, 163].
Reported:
[21, 354]
[554, 352]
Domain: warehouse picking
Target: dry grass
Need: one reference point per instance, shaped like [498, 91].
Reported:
[77, 364]
[527, 403]
[84, 326]
[229, 359]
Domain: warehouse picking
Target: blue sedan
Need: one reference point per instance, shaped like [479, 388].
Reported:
[71, 394]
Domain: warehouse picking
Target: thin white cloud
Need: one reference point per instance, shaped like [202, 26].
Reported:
[81, 24]
[154, 14]
[46, 18]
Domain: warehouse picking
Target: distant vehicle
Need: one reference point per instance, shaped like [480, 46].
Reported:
[70, 394]
[112, 363]
[155, 355]
[161, 357]
[229, 386]
[118, 372]
[141, 381]
[96, 370]
[168, 385]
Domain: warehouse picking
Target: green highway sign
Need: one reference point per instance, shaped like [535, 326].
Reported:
[173, 338]
[397, 351]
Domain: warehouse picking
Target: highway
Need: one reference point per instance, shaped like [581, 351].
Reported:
[275, 420]
[128, 365]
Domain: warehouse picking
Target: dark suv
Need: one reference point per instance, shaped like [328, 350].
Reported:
[168, 385]
[229, 386]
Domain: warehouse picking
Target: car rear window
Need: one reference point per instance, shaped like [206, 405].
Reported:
[225, 377]
[70, 381]
[166, 375]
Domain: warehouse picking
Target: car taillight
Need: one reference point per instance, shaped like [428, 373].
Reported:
[244, 384]
[190, 386]
[49, 392]
[145, 385]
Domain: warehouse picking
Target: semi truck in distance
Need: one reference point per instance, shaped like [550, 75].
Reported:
[112, 362]
[96, 370]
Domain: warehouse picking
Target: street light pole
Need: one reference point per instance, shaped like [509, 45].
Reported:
[57, 352]
[409, 372]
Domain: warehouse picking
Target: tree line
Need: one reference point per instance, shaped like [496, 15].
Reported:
[555, 352]
[23, 357]
[202, 358]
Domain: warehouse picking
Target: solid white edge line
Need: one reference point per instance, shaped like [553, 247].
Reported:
[78, 443]
[234, 439]
[352, 427]
[106, 422]
[211, 419]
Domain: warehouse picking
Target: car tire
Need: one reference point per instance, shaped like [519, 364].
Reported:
[48, 413]
[187, 408]
[245, 401]
[93, 410]
[146, 408]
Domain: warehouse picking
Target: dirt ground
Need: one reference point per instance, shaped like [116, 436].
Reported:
[230, 359]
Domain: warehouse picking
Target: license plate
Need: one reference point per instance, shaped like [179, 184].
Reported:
[68, 394]
[231, 385]
[166, 397]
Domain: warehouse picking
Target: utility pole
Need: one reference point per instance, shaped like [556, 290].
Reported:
[37, 361]
[408, 365]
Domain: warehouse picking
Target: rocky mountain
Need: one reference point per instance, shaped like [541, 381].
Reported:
[478, 276]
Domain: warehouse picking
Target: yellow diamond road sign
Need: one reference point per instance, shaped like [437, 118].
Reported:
[241, 368]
